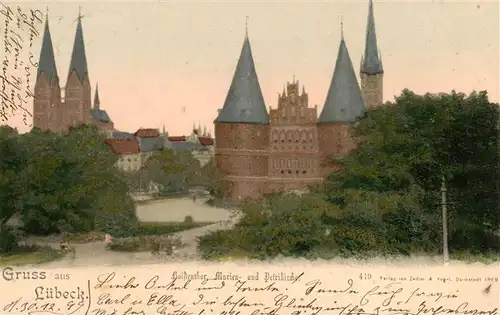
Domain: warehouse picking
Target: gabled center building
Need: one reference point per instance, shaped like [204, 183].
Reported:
[286, 149]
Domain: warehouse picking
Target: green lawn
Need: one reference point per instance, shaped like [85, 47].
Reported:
[152, 236]
[150, 229]
[144, 229]
[33, 256]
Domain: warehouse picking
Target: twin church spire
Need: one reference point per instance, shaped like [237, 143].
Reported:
[47, 61]
[78, 57]
[344, 103]
[78, 63]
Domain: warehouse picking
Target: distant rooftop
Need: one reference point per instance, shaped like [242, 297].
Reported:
[147, 133]
[123, 146]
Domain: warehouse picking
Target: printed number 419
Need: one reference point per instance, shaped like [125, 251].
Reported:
[365, 276]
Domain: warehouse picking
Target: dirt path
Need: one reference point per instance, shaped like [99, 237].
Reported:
[92, 254]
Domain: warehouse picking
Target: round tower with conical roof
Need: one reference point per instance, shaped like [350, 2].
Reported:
[344, 105]
[242, 132]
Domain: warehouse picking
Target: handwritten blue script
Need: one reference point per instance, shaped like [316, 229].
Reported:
[19, 29]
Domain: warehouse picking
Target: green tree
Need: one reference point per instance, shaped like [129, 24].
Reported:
[66, 177]
[214, 180]
[12, 160]
[281, 224]
[405, 147]
[176, 171]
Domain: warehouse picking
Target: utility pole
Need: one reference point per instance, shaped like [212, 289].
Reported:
[445, 220]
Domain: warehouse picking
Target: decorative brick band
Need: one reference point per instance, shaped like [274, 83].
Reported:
[241, 152]
[294, 153]
[262, 179]
[296, 179]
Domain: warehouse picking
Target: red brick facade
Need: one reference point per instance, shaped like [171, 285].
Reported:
[241, 152]
[287, 154]
[52, 113]
[51, 110]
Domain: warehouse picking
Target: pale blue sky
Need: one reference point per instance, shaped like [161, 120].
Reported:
[151, 59]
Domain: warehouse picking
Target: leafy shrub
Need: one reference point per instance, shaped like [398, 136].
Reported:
[8, 240]
[116, 223]
[30, 254]
[85, 237]
[145, 243]
[282, 224]
[147, 229]
[222, 243]
[188, 220]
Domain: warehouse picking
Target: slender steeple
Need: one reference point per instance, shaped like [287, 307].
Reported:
[78, 57]
[47, 62]
[97, 102]
[341, 27]
[344, 102]
[244, 102]
[371, 60]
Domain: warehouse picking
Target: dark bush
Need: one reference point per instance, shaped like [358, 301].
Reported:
[8, 241]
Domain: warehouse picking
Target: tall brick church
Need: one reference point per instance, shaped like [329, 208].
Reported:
[51, 110]
[286, 149]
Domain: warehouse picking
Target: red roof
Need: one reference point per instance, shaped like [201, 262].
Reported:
[206, 141]
[177, 138]
[147, 133]
[123, 146]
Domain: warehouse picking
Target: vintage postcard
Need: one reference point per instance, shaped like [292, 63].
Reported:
[143, 137]
[295, 288]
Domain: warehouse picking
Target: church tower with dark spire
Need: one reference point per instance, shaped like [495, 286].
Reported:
[242, 131]
[47, 96]
[77, 100]
[371, 70]
[97, 101]
[344, 105]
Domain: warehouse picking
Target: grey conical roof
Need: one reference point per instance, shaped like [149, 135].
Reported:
[244, 102]
[371, 64]
[344, 102]
[78, 57]
[47, 61]
[97, 102]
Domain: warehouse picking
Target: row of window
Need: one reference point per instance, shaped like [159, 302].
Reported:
[293, 163]
[296, 141]
[131, 168]
[293, 136]
[295, 148]
[290, 172]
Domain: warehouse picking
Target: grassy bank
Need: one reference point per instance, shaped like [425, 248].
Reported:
[30, 255]
[154, 237]
[143, 229]
[311, 227]
[149, 243]
[148, 229]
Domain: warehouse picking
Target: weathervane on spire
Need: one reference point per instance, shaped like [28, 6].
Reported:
[342, 27]
[80, 16]
[47, 12]
[246, 25]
